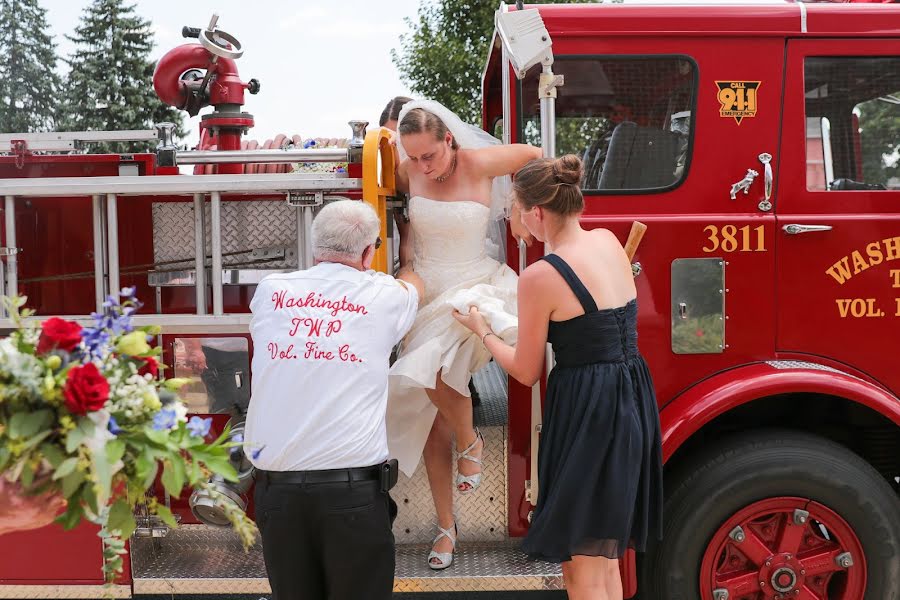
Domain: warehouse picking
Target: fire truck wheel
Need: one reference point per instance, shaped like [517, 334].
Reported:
[776, 515]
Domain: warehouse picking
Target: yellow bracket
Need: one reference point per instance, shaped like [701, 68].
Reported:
[379, 183]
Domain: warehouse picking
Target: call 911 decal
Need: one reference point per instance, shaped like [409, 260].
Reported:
[737, 99]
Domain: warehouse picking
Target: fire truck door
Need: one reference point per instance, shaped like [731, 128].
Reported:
[838, 213]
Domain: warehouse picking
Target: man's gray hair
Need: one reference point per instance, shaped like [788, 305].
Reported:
[343, 229]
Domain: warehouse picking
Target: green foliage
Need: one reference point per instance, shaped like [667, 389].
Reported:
[29, 85]
[879, 123]
[110, 84]
[443, 55]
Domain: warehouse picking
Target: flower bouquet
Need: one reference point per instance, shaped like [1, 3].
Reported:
[86, 421]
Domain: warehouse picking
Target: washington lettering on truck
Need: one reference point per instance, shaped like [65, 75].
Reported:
[753, 145]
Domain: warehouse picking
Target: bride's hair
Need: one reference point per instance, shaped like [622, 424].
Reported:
[391, 112]
[551, 183]
[419, 120]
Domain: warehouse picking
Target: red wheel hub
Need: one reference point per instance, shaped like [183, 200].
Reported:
[781, 549]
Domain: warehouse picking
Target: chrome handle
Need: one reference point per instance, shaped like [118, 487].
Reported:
[682, 310]
[766, 159]
[794, 229]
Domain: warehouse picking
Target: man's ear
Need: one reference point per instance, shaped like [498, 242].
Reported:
[368, 256]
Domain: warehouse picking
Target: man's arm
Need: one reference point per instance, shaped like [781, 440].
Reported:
[407, 277]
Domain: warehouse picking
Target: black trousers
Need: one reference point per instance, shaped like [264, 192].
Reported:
[327, 541]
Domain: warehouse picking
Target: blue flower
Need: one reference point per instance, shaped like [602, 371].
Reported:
[164, 419]
[113, 426]
[199, 427]
[309, 143]
[128, 292]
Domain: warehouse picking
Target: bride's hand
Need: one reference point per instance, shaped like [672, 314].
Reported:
[473, 321]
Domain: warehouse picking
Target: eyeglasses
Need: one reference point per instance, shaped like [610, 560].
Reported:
[378, 242]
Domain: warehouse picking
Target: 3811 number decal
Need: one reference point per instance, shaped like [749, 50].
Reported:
[730, 238]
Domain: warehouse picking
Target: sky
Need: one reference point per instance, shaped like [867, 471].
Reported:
[320, 63]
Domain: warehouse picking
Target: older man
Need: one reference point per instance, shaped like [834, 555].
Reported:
[315, 429]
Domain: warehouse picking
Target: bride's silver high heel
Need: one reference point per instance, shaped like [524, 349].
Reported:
[474, 480]
[443, 559]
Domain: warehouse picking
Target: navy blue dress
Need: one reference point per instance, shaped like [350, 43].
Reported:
[600, 457]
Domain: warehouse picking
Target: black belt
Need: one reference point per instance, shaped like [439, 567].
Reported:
[325, 476]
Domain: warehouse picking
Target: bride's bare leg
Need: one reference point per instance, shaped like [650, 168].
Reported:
[438, 464]
[457, 412]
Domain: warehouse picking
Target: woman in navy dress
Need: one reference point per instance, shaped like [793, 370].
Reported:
[600, 458]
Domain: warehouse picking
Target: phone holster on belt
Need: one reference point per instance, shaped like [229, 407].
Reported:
[389, 473]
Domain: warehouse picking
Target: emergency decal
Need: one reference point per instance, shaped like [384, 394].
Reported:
[737, 99]
[847, 267]
[311, 330]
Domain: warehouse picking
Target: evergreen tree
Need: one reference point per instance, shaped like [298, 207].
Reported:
[110, 86]
[29, 85]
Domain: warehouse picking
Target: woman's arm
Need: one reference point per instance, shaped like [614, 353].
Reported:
[506, 159]
[405, 232]
[525, 361]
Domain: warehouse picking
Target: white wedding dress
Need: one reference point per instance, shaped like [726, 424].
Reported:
[450, 256]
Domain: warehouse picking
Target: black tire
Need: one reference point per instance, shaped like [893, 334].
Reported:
[755, 466]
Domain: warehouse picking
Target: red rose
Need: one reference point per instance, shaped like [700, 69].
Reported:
[150, 366]
[86, 389]
[58, 334]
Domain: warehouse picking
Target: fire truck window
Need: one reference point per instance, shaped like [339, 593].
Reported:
[218, 370]
[852, 123]
[628, 118]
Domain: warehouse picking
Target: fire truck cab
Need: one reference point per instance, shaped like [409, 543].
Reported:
[760, 144]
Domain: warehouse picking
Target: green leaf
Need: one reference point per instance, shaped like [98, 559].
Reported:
[196, 473]
[166, 515]
[4, 457]
[121, 518]
[27, 476]
[72, 516]
[76, 437]
[71, 483]
[221, 466]
[26, 424]
[115, 450]
[53, 454]
[173, 476]
[90, 498]
[37, 439]
[157, 437]
[65, 467]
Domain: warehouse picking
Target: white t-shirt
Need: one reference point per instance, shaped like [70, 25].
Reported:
[322, 340]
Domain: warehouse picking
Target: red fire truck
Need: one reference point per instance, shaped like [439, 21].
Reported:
[758, 143]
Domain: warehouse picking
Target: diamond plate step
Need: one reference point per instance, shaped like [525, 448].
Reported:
[196, 559]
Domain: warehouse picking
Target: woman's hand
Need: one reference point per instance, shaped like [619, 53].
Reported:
[474, 321]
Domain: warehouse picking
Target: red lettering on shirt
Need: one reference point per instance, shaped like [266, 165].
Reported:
[281, 300]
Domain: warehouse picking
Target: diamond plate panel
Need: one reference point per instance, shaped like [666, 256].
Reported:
[477, 567]
[204, 560]
[492, 385]
[64, 591]
[246, 225]
[800, 364]
[481, 515]
[197, 558]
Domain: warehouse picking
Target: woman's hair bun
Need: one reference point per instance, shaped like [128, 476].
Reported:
[568, 169]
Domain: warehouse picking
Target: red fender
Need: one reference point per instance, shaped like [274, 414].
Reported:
[702, 403]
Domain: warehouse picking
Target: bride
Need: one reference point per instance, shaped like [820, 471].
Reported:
[458, 180]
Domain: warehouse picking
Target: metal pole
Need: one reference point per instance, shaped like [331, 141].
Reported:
[12, 270]
[99, 287]
[200, 253]
[307, 237]
[222, 157]
[216, 239]
[112, 235]
[548, 120]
